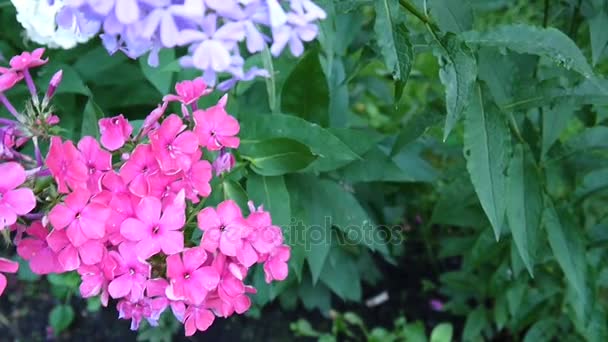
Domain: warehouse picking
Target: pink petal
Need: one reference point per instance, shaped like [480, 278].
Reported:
[175, 267]
[3, 286]
[189, 324]
[247, 255]
[45, 262]
[121, 286]
[148, 210]
[208, 219]
[147, 248]
[134, 230]
[204, 319]
[13, 175]
[241, 304]
[68, 258]
[61, 216]
[172, 242]
[91, 252]
[8, 217]
[229, 211]
[93, 228]
[8, 266]
[194, 257]
[207, 277]
[57, 240]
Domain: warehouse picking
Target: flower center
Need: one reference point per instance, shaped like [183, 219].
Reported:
[187, 276]
[155, 230]
[131, 271]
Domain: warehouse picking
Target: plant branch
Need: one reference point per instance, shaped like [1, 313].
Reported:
[421, 16]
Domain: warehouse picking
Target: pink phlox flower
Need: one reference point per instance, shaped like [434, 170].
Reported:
[154, 228]
[14, 201]
[188, 92]
[116, 196]
[70, 257]
[35, 249]
[131, 274]
[96, 160]
[6, 266]
[231, 295]
[172, 146]
[96, 278]
[66, 165]
[275, 267]
[223, 229]
[8, 80]
[114, 132]
[28, 60]
[151, 121]
[156, 290]
[190, 280]
[162, 187]
[131, 310]
[136, 171]
[215, 128]
[84, 219]
[197, 318]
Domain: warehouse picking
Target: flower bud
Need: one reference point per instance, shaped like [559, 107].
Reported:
[55, 81]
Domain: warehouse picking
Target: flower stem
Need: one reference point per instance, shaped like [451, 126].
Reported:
[11, 109]
[31, 85]
[421, 16]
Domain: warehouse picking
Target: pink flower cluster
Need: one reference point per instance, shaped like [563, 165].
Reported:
[125, 208]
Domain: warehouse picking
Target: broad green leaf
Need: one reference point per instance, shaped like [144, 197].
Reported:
[452, 16]
[305, 92]
[314, 296]
[458, 72]
[90, 118]
[568, 248]
[591, 138]
[414, 332]
[549, 42]
[61, 317]
[524, 204]
[160, 78]
[340, 273]
[276, 156]
[555, 120]
[359, 141]
[442, 333]
[71, 82]
[475, 323]
[94, 65]
[499, 72]
[597, 31]
[393, 39]
[487, 148]
[458, 205]
[332, 153]
[271, 192]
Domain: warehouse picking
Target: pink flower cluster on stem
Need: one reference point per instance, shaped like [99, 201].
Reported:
[126, 227]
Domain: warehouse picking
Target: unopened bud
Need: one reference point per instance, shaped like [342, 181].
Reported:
[55, 81]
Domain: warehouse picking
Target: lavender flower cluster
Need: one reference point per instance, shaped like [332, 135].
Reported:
[215, 31]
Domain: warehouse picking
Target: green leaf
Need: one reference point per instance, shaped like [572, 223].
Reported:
[475, 323]
[442, 333]
[305, 92]
[158, 76]
[234, 191]
[90, 118]
[276, 156]
[271, 84]
[393, 39]
[61, 317]
[332, 153]
[314, 296]
[458, 72]
[593, 181]
[340, 273]
[413, 128]
[597, 31]
[71, 82]
[568, 248]
[25, 272]
[271, 192]
[555, 121]
[549, 42]
[452, 16]
[487, 149]
[543, 330]
[524, 204]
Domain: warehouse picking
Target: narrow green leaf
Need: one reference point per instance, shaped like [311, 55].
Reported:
[305, 92]
[393, 39]
[549, 42]
[271, 84]
[413, 128]
[524, 204]
[474, 325]
[568, 249]
[235, 192]
[340, 274]
[442, 333]
[597, 31]
[61, 317]
[487, 148]
[458, 72]
[543, 330]
[271, 192]
[555, 121]
[593, 181]
[277, 156]
[161, 78]
[451, 16]
[90, 118]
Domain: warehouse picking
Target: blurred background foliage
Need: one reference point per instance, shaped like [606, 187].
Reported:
[468, 137]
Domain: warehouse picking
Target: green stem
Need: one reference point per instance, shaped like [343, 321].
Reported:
[421, 16]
